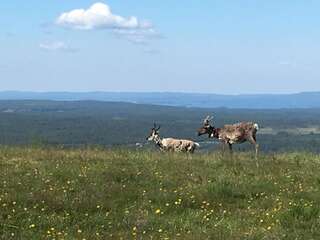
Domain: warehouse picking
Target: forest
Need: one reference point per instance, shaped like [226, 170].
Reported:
[82, 123]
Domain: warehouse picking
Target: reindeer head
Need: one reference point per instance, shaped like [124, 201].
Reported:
[206, 128]
[154, 134]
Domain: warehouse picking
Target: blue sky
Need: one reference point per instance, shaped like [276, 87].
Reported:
[190, 46]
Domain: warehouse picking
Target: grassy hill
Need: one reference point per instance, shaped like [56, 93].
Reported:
[95, 193]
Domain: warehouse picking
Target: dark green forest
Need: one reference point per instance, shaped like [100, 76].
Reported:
[82, 123]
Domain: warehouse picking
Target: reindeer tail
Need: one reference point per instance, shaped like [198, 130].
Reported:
[256, 126]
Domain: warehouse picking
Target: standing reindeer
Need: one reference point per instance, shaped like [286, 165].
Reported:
[230, 134]
[171, 144]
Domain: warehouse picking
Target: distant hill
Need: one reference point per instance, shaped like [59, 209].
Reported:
[79, 123]
[258, 101]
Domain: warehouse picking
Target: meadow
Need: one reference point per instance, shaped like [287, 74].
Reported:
[100, 193]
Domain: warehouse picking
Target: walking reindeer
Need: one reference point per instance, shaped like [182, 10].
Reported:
[171, 144]
[231, 134]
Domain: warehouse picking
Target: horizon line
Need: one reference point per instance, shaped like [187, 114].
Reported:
[153, 92]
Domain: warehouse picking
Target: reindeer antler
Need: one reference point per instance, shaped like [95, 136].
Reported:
[207, 120]
[155, 127]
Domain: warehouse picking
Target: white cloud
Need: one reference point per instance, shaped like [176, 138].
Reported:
[138, 36]
[287, 63]
[57, 46]
[284, 63]
[99, 16]
[9, 34]
[151, 51]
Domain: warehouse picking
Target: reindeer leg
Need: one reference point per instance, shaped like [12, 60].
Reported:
[256, 146]
[231, 152]
[222, 146]
[253, 141]
[192, 149]
[230, 147]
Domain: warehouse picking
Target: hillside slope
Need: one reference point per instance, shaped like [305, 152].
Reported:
[122, 194]
[108, 123]
[202, 100]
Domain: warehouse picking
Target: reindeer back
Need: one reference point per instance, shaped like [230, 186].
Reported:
[237, 132]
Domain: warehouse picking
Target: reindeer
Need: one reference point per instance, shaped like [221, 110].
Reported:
[230, 134]
[171, 144]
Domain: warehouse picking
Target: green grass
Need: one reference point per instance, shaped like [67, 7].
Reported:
[52, 193]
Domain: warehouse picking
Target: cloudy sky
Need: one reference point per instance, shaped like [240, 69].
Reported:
[236, 46]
